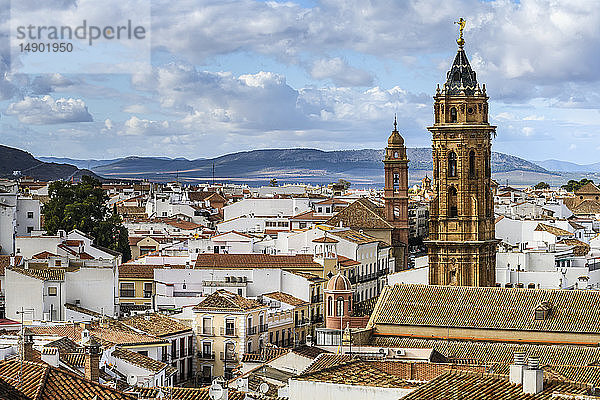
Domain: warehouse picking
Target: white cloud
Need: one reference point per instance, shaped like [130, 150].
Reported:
[340, 72]
[135, 126]
[47, 110]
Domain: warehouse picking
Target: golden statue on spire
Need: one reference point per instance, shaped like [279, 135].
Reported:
[461, 24]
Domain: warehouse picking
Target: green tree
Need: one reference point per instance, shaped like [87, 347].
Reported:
[273, 182]
[83, 206]
[542, 185]
[573, 185]
[344, 183]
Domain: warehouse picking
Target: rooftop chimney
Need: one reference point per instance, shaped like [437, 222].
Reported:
[533, 376]
[92, 356]
[516, 369]
[26, 348]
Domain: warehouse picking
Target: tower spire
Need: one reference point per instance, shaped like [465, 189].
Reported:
[461, 25]
[395, 123]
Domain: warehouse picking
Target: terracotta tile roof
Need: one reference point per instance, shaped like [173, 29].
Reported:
[580, 248]
[156, 324]
[488, 307]
[327, 360]
[112, 332]
[64, 346]
[181, 224]
[255, 260]
[82, 310]
[588, 188]
[309, 351]
[43, 382]
[137, 271]
[354, 236]
[309, 216]
[361, 214]
[139, 360]
[5, 262]
[181, 393]
[44, 255]
[575, 373]
[306, 275]
[223, 300]
[586, 207]
[286, 298]
[49, 274]
[325, 239]
[346, 262]
[497, 352]
[332, 201]
[356, 372]
[75, 360]
[266, 354]
[553, 230]
[133, 240]
[455, 385]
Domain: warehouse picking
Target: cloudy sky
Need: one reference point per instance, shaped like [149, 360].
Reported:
[227, 76]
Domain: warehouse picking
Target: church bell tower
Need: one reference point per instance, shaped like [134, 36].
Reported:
[396, 195]
[462, 244]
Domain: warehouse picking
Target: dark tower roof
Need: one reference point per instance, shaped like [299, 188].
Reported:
[461, 79]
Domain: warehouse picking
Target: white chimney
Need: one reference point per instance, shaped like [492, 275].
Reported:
[533, 376]
[516, 369]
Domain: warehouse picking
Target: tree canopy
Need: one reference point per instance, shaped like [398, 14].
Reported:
[573, 185]
[83, 206]
[542, 185]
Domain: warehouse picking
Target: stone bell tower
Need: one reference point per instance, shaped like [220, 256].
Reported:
[462, 244]
[395, 195]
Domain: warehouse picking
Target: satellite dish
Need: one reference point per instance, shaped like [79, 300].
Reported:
[132, 379]
[264, 387]
[239, 382]
[216, 391]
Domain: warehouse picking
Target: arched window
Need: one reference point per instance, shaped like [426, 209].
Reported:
[453, 115]
[349, 304]
[452, 202]
[339, 307]
[472, 164]
[329, 306]
[452, 164]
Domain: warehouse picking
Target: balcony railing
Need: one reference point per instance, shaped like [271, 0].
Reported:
[231, 332]
[207, 331]
[317, 298]
[229, 358]
[263, 328]
[302, 322]
[147, 294]
[251, 330]
[127, 293]
[206, 355]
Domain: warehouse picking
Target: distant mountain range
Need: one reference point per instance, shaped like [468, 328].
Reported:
[13, 160]
[287, 165]
[566, 166]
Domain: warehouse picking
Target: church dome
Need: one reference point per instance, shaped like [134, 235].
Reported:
[339, 282]
[395, 139]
